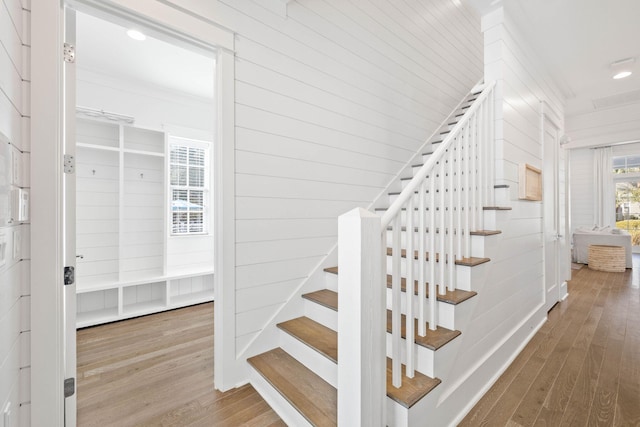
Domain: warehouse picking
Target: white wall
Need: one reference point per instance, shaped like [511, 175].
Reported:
[157, 108]
[604, 126]
[510, 304]
[331, 100]
[14, 274]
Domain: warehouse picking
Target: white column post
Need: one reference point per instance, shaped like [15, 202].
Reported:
[361, 321]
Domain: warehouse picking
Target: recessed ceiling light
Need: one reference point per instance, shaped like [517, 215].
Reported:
[622, 75]
[622, 68]
[136, 35]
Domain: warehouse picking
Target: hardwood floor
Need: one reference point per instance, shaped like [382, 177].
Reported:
[582, 368]
[158, 371]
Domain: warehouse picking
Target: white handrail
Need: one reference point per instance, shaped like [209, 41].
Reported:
[396, 206]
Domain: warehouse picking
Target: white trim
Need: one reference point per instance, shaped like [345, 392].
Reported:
[228, 373]
[47, 310]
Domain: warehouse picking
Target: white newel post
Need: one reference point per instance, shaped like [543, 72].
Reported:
[361, 321]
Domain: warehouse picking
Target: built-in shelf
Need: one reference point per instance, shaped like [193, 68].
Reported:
[127, 257]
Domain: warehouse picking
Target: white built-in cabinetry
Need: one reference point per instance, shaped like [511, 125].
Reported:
[122, 237]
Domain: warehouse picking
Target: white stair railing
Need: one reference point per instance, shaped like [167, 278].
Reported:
[443, 202]
[440, 207]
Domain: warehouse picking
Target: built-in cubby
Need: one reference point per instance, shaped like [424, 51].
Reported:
[126, 265]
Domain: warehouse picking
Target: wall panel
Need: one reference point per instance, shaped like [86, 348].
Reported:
[14, 278]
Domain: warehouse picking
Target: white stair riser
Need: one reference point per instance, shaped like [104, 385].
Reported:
[479, 224]
[318, 363]
[403, 269]
[428, 362]
[477, 242]
[331, 281]
[278, 403]
[399, 416]
[446, 312]
[321, 314]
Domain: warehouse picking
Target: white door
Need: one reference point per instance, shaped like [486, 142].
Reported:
[69, 212]
[554, 215]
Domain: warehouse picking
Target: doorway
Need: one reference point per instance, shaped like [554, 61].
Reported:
[50, 329]
[555, 212]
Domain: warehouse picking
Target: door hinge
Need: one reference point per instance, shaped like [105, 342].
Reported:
[69, 276]
[69, 387]
[69, 163]
[69, 53]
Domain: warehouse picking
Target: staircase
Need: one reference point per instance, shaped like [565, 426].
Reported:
[299, 379]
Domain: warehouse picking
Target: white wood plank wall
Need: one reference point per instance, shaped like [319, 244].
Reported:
[331, 100]
[618, 123]
[509, 303]
[15, 285]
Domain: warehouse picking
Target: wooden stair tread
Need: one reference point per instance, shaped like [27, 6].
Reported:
[324, 297]
[469, 262]
[454, 297]
[473, 233]
[412, 389]
[317, 336]
[333, 270]
[497, 208]
[485, 232]
[433, 340]
[313, 397]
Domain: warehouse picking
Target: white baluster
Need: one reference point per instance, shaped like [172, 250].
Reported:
[441, 228]
[410, 263]
[396, 294]
[432, 252]
[422, 275]
[451, 254]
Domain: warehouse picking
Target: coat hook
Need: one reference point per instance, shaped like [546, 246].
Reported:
[141, 175]
[93, 171]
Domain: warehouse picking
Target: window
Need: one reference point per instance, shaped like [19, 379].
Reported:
[626, 176]
[189, 185]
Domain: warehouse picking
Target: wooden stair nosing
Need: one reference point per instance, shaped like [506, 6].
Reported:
[454, 297]
[313, 397]
[497, 208]
[469, 262]
[324, 297]
[472, 233]
[412, 389]
[433, 340]
[315, 335]
[329, 298]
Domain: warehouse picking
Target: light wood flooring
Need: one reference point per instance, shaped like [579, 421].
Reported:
[157, 370]
[582, 368]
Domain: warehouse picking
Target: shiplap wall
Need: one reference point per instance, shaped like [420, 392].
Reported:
[14, 275]
[156, 108]
[509, 305]
[332, 98]
[604, 126]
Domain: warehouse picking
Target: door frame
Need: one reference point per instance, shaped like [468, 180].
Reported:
[548, 115]
[47, 151]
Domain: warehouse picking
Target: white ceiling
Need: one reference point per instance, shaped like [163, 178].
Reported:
[104, 47]
[578, 40]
